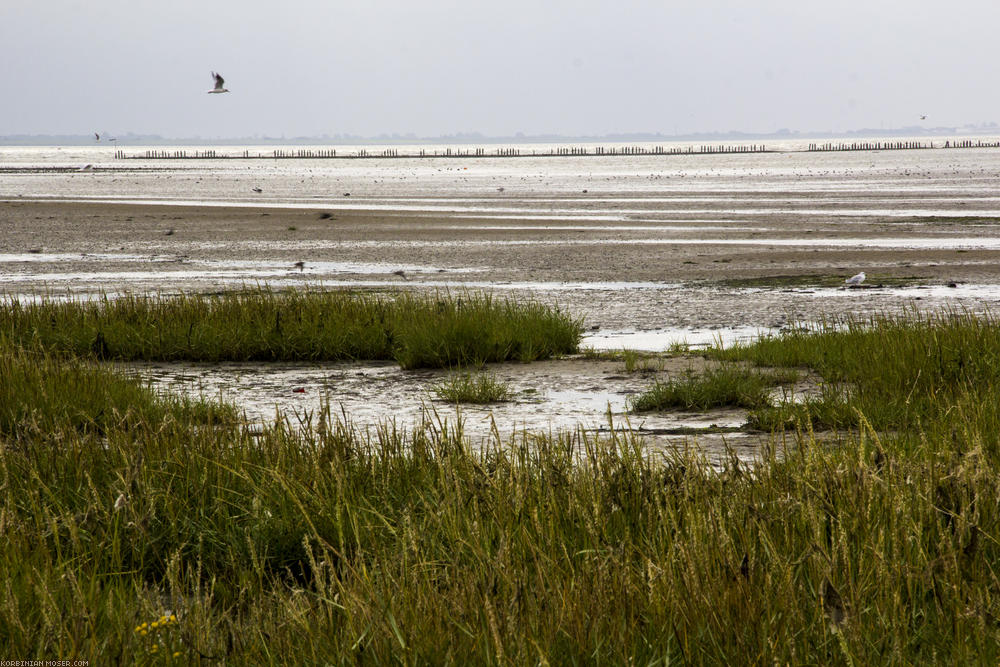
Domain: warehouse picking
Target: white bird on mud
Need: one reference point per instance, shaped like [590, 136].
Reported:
[856, 279]
[219, 84]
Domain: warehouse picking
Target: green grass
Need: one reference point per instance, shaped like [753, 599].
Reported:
[325, 544]
[261, 325]
[636, 361]
[728, 385]
[901, 372]
[319, 542]
[473, 388]
[42, 397]
[640, 362]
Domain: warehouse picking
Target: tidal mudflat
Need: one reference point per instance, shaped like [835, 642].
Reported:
[649, 254]
[865, 532]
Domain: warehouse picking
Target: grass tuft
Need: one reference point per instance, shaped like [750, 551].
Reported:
[726, 386]
[474, 388]
[261, 325]
[900, 372]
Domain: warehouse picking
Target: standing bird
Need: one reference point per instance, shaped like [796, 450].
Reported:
[856, 279]
[219, 84]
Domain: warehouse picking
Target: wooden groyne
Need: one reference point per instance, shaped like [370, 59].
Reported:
[500, 152]
[561, 151]
[901, 145]
[871, 146]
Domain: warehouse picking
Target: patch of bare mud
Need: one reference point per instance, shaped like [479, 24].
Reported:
[549, 396]
[658, 277]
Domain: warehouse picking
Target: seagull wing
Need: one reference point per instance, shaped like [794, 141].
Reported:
[219, 81]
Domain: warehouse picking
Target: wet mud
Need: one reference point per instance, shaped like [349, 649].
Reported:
[646, 260]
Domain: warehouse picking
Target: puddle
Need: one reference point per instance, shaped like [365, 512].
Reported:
[662, 339]
[694, 225]
[550, 396]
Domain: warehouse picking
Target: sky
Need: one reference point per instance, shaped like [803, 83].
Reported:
[440, 67]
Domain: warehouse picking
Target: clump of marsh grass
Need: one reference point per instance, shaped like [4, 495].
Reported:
[593, 354]
[261, 325]
[899, 371]
[44, 395]
[634, 361]
[478, 388]
[319, 541]
[678, 348]
[728, 385]
[639, 362]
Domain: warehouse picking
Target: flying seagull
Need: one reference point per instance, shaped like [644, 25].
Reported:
[923, 118]
[219, 84]
[856, 279]
[97, 137]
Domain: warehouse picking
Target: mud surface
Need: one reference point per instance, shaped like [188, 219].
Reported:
[643, 264]
[548, 396]
[635, 276]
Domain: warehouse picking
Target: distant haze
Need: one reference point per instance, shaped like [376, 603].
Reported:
[580, 67]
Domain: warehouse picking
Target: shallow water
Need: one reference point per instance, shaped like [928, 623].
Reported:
[637, 212]
[549, 397]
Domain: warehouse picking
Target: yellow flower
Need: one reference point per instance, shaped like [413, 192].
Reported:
[144, 632]
[154, 648]
[177, 654]
[138, 628]
[173, 619]
[144, 625]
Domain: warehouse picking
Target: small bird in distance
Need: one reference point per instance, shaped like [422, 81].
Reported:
[923, 117]
[856, 279]
[257, 189]
[220, 84]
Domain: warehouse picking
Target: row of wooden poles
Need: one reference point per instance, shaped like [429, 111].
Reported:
[278, 154]
[902, 145]
[311, 153]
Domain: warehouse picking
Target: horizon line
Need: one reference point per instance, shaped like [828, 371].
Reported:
[519, 137]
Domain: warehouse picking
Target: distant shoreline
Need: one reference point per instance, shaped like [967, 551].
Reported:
[989, 129]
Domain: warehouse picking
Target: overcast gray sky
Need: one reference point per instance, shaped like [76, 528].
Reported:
[431, 67]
